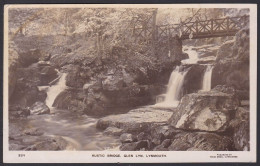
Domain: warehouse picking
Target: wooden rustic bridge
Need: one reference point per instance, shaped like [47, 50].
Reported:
[228, 26]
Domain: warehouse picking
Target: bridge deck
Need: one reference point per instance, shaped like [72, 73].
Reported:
[194, 30]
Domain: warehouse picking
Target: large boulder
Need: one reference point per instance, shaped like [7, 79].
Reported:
[113, 131]
[111, 83]
[76, 77]
[135, 121]
[38, 74]
[200, 141]
[26, 94]
[67, 56]
[163, 146]
[62, 101]
[99, 102]
[239, 127]
[134, 146]
[153, 73]
[33, 132]
[71, 99]
[127, 138]
[235, 50]
[205, 111]
[232, 74]
[15, 111]
[39, 108]
[161, 132]
[24, 91]
[50, 144]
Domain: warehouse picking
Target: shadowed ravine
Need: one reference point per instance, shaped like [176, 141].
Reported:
[80, 130]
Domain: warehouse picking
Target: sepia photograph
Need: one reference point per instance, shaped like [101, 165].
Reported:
[108, 79]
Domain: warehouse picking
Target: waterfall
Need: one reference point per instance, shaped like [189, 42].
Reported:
[173, 89]
[193, 56]
[54, 91]
[206, 85]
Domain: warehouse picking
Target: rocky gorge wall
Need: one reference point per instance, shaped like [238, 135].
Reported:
[215, 120]
[117, 82]
[97, 84]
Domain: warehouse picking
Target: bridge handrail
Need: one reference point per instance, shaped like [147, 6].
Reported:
[215, 19]
[211, 27]
[193, 22]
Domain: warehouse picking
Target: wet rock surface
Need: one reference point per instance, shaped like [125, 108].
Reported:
[50, 144]
[205, 111]
[239, 127]
[135, 121]
[135, 146]
[27, 139]
[72, 99]
[113, 131]
[232, 67]
[164, 146]
[194, 75]
[39, 108]
[18, 112]
[200, 141]
[26, 94]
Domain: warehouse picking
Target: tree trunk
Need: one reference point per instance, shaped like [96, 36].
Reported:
[154, 32]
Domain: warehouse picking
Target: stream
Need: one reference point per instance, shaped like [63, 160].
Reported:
[80, 130]
[173, 94]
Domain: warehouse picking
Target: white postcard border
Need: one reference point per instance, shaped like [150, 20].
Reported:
[171, 156]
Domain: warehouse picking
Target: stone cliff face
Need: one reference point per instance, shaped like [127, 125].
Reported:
[107, 88]
[116, 80]
[25, 75]
[120, 80]
[232, 64]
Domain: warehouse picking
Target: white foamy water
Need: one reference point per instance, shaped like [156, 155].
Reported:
[173, 89]
[193, 56]
[206, 85]
[55, 90]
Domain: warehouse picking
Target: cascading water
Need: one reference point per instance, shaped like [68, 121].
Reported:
[193, 56]
[55, 90]
[173, 88]
[76, 128]
[206, 85]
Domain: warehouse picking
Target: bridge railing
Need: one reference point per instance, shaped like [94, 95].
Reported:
[198, 29]
[213, 28]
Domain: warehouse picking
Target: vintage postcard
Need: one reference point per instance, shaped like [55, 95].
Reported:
[130, 83]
